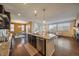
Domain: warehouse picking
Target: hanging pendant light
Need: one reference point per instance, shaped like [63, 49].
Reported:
[45, 26]
[35, 12]
[44, 22]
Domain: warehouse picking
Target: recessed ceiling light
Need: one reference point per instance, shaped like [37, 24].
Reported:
[44, 22]
[35, 11]
[19, 14]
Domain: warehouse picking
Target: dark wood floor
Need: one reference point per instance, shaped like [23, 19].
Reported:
[63, 47]
[19, 48]
[66, 47]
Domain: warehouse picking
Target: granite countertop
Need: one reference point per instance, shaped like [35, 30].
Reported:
[48, 36]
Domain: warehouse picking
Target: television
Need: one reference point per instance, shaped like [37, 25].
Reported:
[4, 21]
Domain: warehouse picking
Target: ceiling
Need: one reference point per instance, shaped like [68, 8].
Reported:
[54, 12]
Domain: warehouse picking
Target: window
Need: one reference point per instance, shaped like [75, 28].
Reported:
[12, 27]
[60, 27]
[53, 28]
[64, 27]
[22, 27]
[36, 27]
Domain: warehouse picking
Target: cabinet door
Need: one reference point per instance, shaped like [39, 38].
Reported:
[29, 38]
[34, 41]
[41, 46]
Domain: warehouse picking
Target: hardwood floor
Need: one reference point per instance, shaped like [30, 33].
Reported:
[22, 48]
[63, 47]
[66, 47]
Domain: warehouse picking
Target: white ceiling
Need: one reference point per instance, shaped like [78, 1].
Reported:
[54, 12]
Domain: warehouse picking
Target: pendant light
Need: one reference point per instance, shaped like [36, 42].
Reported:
[45, 26]
[44, 22]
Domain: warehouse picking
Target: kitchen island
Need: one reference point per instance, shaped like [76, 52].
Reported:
[44, 44]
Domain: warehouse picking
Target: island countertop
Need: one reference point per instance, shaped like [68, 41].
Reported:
[48, 36]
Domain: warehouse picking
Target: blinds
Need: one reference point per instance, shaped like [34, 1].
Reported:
[64, 27]
[61, 27]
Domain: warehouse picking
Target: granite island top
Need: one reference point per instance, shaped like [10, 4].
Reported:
[48, 36]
